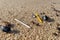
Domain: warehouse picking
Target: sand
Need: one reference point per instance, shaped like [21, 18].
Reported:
[23, 10]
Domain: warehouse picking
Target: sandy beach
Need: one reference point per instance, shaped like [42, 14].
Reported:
[23, 10]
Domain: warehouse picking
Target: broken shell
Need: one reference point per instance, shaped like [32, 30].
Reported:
[33, 16]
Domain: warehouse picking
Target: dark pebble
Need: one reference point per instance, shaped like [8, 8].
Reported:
[33, 16]
[45, 18]
[6, 29]
[48, 19]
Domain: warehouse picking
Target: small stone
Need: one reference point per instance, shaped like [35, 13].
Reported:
[48, 19]
[6, 29]
[45, 18]
[33, 16]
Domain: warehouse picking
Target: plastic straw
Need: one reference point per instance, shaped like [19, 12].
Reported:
[22, 23]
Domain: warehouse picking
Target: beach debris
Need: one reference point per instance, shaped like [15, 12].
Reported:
[46, 18]
[22, 23]
[5, 26]
[5, 29]
[33, 16]
[8, 29]
[38, 18]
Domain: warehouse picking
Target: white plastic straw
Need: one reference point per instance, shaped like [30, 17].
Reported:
[22, 23]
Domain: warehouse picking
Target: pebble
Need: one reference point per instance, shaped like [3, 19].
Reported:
[5, 26]
[45, 18]
[6, 29]
[33, 16]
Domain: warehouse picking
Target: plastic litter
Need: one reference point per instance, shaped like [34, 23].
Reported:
[38, 18]
[22, 23]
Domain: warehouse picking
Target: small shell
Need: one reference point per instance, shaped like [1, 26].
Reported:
[33, 16]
